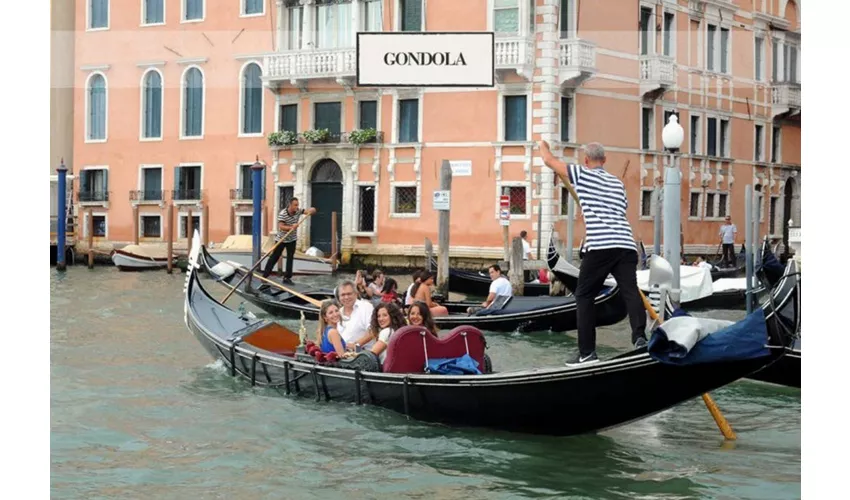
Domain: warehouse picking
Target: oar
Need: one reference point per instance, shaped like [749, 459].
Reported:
[260, 277]
[257, 264]
[724, 426]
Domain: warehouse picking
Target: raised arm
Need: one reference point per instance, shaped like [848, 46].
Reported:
[556, 165]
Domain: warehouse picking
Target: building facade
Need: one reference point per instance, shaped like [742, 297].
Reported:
[62, 76]
[176, 100]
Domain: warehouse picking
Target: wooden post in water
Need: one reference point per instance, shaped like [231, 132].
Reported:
[443, 232]
[334, 249]
[190, 229]
[232, 220]
[205, 237]
[90, 225]
[516, 274]
[135, 224]
[169, 236]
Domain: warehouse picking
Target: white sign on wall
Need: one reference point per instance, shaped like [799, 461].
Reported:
[442, 200]
[430, 59]
[461, 168]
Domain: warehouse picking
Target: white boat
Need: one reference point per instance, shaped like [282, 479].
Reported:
[238, 248]
[138, 258]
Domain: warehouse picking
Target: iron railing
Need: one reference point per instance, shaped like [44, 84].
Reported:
[147, 195]
[186, 194]
[93, 195]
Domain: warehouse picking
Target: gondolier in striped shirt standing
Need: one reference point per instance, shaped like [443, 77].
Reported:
[287, 220]
[608, 243]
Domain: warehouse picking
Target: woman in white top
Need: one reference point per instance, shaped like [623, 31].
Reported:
[386, 319]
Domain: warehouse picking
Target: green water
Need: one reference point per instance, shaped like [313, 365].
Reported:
[139, 410]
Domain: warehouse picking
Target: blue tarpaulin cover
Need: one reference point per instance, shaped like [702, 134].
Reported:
[463, 365]
[745, 339]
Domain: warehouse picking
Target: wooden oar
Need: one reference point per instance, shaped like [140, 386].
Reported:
[724, 426]
[257, 264]
[260, 277]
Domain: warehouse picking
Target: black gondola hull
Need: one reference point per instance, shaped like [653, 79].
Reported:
[478, 284]
[784, 371]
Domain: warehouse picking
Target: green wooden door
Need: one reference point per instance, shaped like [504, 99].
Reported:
[326, 197]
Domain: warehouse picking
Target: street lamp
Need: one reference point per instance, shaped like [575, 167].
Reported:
[672, 137]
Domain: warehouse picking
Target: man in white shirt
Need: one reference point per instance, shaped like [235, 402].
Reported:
[728, 232]
[355, 315]
[499, 287]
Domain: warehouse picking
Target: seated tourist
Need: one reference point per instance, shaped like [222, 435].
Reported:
[354, 313]
[408, 299]
[376, 286]
[389, 293]
[422, 293]
[386, 319]
[328, 337]
[499, 286]
[420, 315]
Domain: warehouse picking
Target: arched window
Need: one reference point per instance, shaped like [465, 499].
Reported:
[96, 114]
[252, 100]
[326, 171]
[152, 105]
[193, 103]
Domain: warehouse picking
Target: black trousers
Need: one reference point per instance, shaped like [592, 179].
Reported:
[275, 256]
[729, 254]
[595, 267]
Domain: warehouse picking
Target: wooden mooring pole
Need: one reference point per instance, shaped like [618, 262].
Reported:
[334, 246]
[169, 235]
[205, 223]
[444, 230]
[90, 226]
[135, 224]
[517, 273]
[190, 229]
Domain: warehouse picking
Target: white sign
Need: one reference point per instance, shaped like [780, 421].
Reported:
[505, 217]
[430, 59]
[461, 168]
[442, 200]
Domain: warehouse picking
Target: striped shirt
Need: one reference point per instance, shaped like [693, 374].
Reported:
[289, 220]
[603, 202]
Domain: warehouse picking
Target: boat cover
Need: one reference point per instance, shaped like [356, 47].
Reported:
[695, 281]
[685, 340]
[463, 365]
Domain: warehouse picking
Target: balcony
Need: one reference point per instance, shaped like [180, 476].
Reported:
[299, 66]
[514, 55]
[657, 74]
[187, 196]
[147, 197]
[786, 98]
[340, 140]
[93, 196]
[242, 196]
[577, 59]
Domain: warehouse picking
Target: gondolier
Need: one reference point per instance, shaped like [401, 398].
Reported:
[609, 246]
[728, 231]
[288, 219]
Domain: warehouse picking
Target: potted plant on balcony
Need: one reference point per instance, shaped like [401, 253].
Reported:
[283, 138]
[364, 136]
[317, 136]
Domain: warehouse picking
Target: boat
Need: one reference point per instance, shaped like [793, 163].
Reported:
[552, 401]
[784, 371]
[238, 248]
[140, 258]
[507, 314]
[477, 284]
[698, 290]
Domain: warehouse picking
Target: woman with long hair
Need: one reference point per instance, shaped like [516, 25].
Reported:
[328, 337]
[420, 315]
[422, 293]
[389, 293]
[386, 319]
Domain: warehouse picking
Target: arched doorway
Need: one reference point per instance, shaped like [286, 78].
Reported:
[325, 197]
[787, 211]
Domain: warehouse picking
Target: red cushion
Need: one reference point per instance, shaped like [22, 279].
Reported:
[406, 353]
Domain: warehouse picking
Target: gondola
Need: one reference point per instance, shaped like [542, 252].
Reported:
[729, 298]
[477, 283]
[556, 401]
[521, 314]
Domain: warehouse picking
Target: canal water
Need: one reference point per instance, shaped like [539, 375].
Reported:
[139, 410]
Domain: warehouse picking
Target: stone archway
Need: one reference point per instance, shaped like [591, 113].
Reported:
[326, 198]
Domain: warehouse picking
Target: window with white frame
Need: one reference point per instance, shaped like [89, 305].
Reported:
[288, 118]
[669, 40]
[193, 10]
[366, 208]
[187, 183]
[98, 14]
[408, 120]
[96, 113]
[253, 7]
[94, 185]
[410, 15]
[405, 199]
[295, 20]
[771, 227]
[193, 103]
[153, 11]
[515, 117]
[152, 105]
[717, 49]
[506, 16]
[334, 28]
[252, 100]
[647, 202]
[284, 194]
[151, 184]
[758, 153]
[246, 182]
[790, 62]
[565, 18]
[99, 226]
[722, 205]
[723, 141]
[182, 229]
[646, 30]
[711, 137]
[372, 15]
[718, 137]
[776, 145]
[647, 127]
[566, 113]
[774, 67]
[328, 115]
[759, 59]
[518, 196]
[245, 223]
[695, 205]
[151, 226]
[710, 199]
[695, 135]
[367, 114]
